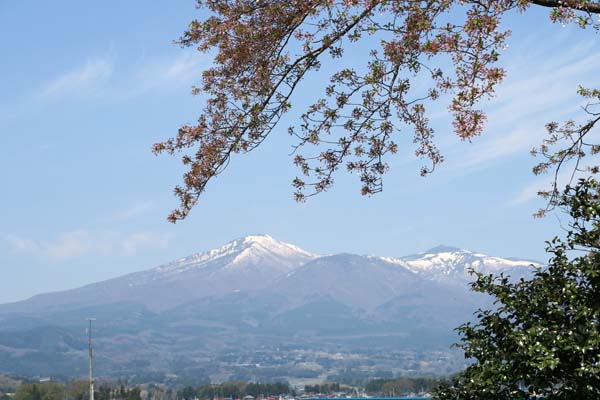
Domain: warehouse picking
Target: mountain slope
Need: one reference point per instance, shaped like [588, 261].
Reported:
[253, 301]
[360, 282]
[452, 265]
[245, 264]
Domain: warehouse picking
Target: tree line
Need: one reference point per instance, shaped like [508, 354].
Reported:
[325, 388]
[75, 390]
[400, 386]
[234, 390]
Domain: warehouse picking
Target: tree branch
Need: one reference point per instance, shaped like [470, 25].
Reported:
[587, 6]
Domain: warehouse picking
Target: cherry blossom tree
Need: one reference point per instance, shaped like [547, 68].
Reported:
[265, 49]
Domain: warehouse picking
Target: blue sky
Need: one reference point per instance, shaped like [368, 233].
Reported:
[88, 87]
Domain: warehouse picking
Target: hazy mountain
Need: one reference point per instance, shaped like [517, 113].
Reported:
[217, 311]
[453, 265]
[247, 264]
[360, 282]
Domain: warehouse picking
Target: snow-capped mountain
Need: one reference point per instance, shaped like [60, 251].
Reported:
[247, 264]
[254, 254]
[452, 264]
[360, 282]
[258, 291]
[261, 263]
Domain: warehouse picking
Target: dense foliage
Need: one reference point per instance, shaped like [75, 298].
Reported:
[416, 52]
[400, 386]
[544, 335]
[40, 391]
[324, 388]
[237, 390]
[75, 390]
[9, 384]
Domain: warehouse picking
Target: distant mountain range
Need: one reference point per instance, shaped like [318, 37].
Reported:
[256, 308]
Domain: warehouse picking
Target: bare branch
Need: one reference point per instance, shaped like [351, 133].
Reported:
[581, 5]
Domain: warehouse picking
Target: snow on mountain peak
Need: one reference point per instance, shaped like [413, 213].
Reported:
[261, 257]
[443, 261]
[444, 249]
[248, 249]
[263, 247]
[261, 239]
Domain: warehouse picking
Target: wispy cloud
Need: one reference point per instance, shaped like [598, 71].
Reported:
[90, 77]
[516, 141]
[184, 70]
[136, 241]
[101, 78]
[65, 246]
[131, 212]
[525, 104]
[19, 244]
[530, 191]
[567, 175]
[69, 245]
[79, 243]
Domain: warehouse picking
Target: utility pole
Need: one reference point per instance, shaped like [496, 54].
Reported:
[91, 353]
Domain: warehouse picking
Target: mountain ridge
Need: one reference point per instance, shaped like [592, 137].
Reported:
[261, 292]
[285, 258]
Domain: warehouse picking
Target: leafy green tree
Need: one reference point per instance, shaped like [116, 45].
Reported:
[400, 386]
[543, 336]
[187, 393]
[133, 394]
[78, 389]
[239, 389]
[104, 393]
[8, 384]
[34, 394]
[325, 388]
[40, 391]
